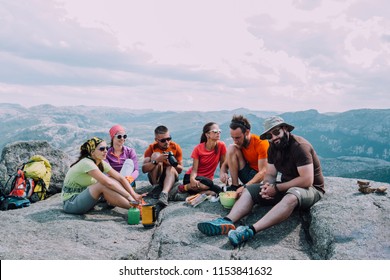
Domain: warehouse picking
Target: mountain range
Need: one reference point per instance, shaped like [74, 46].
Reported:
[351, 144]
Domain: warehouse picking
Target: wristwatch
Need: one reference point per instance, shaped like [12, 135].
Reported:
[154, 162]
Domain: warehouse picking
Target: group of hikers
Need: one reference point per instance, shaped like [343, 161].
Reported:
[276, 169]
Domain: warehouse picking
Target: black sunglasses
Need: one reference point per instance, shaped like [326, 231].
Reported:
[119, 136]
[164, 139]
[275, 132]
[103, 148]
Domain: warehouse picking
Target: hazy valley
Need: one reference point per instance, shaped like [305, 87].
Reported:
[352, 144]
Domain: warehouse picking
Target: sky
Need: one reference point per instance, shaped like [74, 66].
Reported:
[204, 55]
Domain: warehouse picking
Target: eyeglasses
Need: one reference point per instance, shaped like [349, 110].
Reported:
[102, 149]
[275, 132]
[216, 131]
[119, 136]
[164, 139]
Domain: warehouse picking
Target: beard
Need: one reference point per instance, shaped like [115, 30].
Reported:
[283, 143]
[245, 143]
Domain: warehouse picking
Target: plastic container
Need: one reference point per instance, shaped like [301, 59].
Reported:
[148, 215]
[196, 199]
[133, 216]
[228, 199]
[127, 168]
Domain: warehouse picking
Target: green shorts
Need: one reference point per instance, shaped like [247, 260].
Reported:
[306, 197]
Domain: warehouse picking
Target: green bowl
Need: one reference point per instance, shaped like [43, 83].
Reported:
[228, 199]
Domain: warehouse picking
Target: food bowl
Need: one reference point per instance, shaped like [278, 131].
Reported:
[228, 199]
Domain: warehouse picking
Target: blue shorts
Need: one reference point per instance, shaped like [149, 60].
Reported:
[80, 203]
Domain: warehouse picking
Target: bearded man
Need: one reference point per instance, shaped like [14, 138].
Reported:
[246, 158]
[301, 185]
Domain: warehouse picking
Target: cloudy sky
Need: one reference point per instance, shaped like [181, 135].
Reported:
[286, 55]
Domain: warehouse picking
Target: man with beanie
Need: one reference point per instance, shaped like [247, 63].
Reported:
[163, 162]
[301, 185]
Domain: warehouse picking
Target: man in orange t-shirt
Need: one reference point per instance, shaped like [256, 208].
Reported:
[246, 159]
[162, 168]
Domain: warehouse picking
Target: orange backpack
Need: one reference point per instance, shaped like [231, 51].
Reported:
[21, 186]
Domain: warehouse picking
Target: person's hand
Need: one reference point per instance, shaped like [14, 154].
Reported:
[224, 177]
[194, 185]
[239, 191]
[138, 197]
[267, 191]
[130, 179]
[162, 158]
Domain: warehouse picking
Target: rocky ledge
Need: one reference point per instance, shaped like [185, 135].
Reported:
[345, 225]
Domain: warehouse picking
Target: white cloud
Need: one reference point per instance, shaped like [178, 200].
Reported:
[197, 55]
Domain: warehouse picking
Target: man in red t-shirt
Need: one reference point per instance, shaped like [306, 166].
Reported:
[247, 158]
[163, 162]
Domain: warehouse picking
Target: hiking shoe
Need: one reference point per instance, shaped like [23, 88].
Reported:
[240, 235]
[163, 199]
[216, 227]
[155, 192]
[180, 196]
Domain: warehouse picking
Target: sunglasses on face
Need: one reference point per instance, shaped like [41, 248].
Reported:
[164, 140]
[103, 148]
[119, 136]
[216, 131]
[275, 132]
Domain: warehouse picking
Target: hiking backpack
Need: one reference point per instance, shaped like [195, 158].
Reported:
[30, 183]
[38, 169]
[16, 191]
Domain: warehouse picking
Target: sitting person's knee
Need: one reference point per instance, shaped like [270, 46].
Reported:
[290, 200]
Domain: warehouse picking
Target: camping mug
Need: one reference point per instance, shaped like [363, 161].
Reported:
[148, 215]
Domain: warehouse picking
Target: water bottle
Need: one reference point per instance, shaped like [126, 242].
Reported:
[172, 160]
[127, 168]
[133, 215]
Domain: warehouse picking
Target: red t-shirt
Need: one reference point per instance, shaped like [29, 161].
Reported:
[208, 160]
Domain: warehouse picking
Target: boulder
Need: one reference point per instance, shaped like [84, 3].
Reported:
[345, 225]
[17, 153]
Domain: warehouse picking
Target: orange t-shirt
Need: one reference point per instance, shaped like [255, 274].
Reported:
[173, 147]
[257, 149]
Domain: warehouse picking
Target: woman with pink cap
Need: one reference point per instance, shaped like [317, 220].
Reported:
[122, 158]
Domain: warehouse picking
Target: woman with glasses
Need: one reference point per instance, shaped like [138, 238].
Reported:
[206, 156]
[86, 181]
[122, 158]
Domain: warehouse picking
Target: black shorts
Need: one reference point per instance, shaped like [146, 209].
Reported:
[246, 174]
[162, 178]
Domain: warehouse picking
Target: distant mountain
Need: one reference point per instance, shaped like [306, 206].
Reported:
[351, 144]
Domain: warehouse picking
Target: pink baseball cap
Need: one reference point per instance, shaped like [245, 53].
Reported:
[115, 129]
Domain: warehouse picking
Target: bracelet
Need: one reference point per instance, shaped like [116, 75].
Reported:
[276, 188]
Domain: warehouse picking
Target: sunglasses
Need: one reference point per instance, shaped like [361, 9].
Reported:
[119, 136]
[102, 149]
[275, 132]
[164, 140]
[216, 131]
